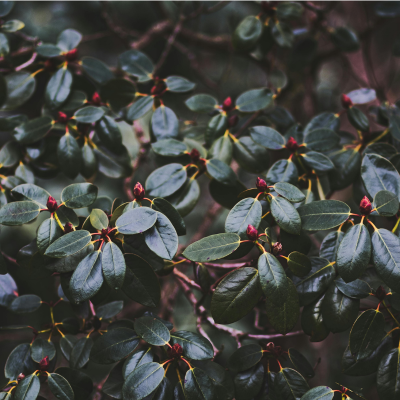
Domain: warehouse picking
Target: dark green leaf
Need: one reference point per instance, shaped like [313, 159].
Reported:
[20, 87]
[247, 33]
[312, 321]
[246, 357]
[222, 149]
[358, 119]
[26, 303]
[283, 34]
[16, 360]
[250, 156]
[139, 108]
[60, 387]
[152, 331]
[98, 219]
[317, 161]
[198, 385]
[282, 171]
[166, 180]
[248, 383]
[289, 10]
[28, 191]
[67, 343]
[388, 375]
[299, 263]
[386, 203]
[109, 133]
[202, 103]
[33, 130]
[69, 155]
[59, 87]
[164, 123]
[221, 172]
[345, 39]
[137, 64]
[195, 346]
[186, 198]
[330, 245]
[48, 50]
[42, 348]
[177, 84]
[137, 220]
[109, 310]
[113, 264]
[89, 114]
[119, 93]
[254, 100]
[68, 244]
[288, 384]
[169, 147]
[357, 289]
[285, 215]
[320, 393]
[79, 195]
[81, 384]
[80, 352]
[301, 363]
[28, 388]
[290, 192]
[321, 139]
[97, 70]
[136, 359]
[18, 213]
[165, 207]
[216, 127]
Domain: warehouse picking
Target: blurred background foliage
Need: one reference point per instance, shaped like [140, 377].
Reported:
[316, 78]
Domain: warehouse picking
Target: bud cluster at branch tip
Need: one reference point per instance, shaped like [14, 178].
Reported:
[365, 206]
[277, 248]
[228, 105]
[261, 185]
[175, 351]
[139, 192]
[292, 144]
[252, 233]
[346, 101]
[52, 204]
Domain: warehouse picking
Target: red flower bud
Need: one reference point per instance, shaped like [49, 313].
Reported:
[380, 293]
[277, 248]
[261, 185]
[62, 117]
[159, 88]
[52, 204]
[20, 377]
[274, 350]
[139, 192]
[68, 227]
[227, 105]
[252, 233]
[291, 144]
[44, 364]
[96, 99]
[346, 101]
[72, 55]
[365, 206]
[175, 351]
[232, 121]
[194, 155]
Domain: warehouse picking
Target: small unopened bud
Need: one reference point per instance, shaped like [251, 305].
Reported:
[72, 55]
[96, 99]
[346, 101]
[175, 351]
[44, 364]
[62, 117]
[139, 192]
[252, 233]
[365, 206]
[232, 121]
[68, 227]
[277, 248]
[380, 293]
[20, 377]
[261, 185]
[159, 88]
[52, 204]
[291, 144]
[227, 105]
[194, 155]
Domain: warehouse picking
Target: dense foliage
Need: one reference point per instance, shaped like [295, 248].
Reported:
[310, 244]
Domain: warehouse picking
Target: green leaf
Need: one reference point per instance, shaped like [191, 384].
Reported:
[290, 192]
[9, 154]
[79, 195]
[330, 245]
[166, 208]
[301, 363]
[96, 70]
[246, 212]
[42, 348]
[394, 126]
[222, 149]
[58, 88]
[18, 213]
[28, 191]
[109, 133]
[289, 10]
[312, 321]
[33, 130]
[283, 316]
[235, 295]
[254, 100]
[358, 119]
[273, 279]
[80, 352]
[113, 264]
[198, 385]
[67, 342]
[379, 174]
[139, 108]
[283, 34]
[98, 219]
[366, 334]
[285, 215]
[177, 84]
[299, 263]
[345, 39]
[19, 356]
[388, 375]
[354, 253]
[26, 303]
[246, 357]
[221, 172]
[136, 359]
[166, 180]
[141, 283]
[319, 393]
[317, 161]
[137, 64]
[338, 311]
[323, 214]
[143, 381]
[386, 203]
[164, 123]
[20, 87]
[87, 279]
[60, 387]
[169, 147]
[68, 244]
[162, 238]
[216, 127]
[69, 39]
[109, 310]
[357, 289]
[321, 139]
[89, 115]
[137, 220]
[75, 100]
[282, 171]
[386, 257]
[28, 388]
[112, 165]
[250, 156]
[81, 384]
[6, 7]
[114, 345]
[212, 247]
[66, 214]
[12, 26]
[195, 346]
[152, 331]
[48, 50]
[186, 198]
[248, 383]
[288, 384]
[202, 103]
[316, 282]
[69, 156]
[247, 33]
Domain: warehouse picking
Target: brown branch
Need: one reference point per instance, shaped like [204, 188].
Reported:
[188, 281]
[207, 222]
[153, 33]
[27, 63]
[9, 258]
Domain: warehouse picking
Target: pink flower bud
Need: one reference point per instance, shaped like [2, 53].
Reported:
[68, 227]
[227, 105]
[194, 155]
[365, 206]
[277, 248]
[346, 101]
[62, 117]
[291, 144]
[252, 233]
[96, 99]
[72, 55]
[175, 351]
[261, 184]
[139, 192]
[52, 204]
[44, 364]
